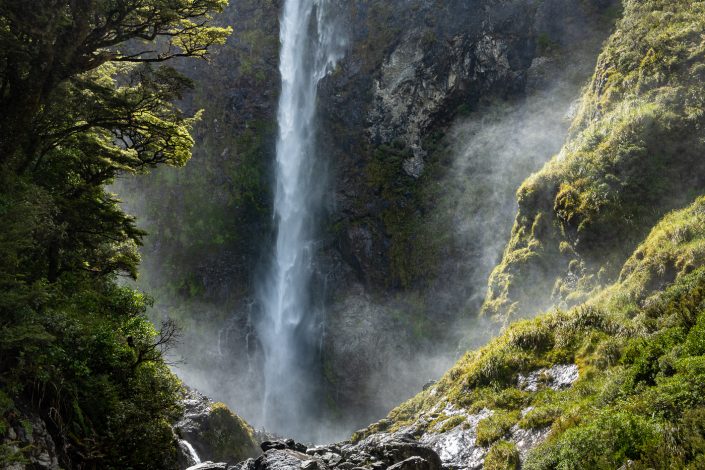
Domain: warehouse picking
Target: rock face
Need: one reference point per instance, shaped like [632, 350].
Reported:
[557, 377]
[30, 438]
[451, 432]
[212, 433]
[388, 118]
[413, 71]
[380, 452]
[399, 92]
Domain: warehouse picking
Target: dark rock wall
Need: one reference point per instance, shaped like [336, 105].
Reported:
[398, 279]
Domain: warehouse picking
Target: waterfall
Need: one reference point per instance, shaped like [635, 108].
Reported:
[189, 452]
[289, 328]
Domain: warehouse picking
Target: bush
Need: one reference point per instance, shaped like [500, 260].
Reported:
[495, 427]
[502, 455]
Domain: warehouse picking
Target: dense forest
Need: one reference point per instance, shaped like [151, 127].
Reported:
[88, 95]
[487, 216]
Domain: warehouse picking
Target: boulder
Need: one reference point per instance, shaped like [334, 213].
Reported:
[412, 463]
[209, 466]
[213, 432]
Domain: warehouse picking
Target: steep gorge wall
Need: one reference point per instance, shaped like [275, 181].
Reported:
[634, 153]
[613, 377]
[420, 218]
[420, 79]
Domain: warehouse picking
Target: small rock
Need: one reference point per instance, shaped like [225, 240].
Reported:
[209, 466]
[331, 458]
[412, 463]
[310, 465]
[277, 445]
[298, 447]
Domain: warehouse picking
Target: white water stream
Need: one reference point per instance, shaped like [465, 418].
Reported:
[290, 327]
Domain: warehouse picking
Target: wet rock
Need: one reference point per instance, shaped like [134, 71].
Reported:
[312, 464]
[209, 466]
[248, 464]
[30, 438]
[213, 432]
[390, 449]
[345, 466]
[412, 463]
[276, 445]
[456, 447]
[283, 444]
[331, 458]
[275, 459]
[557, 377]
[527, 439]
[187, 456]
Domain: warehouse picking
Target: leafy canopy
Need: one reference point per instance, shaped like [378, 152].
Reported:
[86, 96]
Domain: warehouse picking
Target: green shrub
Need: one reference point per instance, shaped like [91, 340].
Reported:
[607, 442]
[540, 417]
[502, 455]
[495, 427]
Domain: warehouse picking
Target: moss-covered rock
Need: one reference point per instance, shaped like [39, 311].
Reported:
[214, 431]
[634, 153]
[231, 438]
[638, 346]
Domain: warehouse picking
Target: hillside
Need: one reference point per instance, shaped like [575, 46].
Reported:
[618, 378]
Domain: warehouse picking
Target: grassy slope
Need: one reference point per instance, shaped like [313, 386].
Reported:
[637, 332]
[640, 348]
[634, 153]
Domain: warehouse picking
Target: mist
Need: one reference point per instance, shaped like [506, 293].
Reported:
[489, 150]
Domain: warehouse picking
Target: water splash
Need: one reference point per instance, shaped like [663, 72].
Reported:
[191, 453]
[290, 325]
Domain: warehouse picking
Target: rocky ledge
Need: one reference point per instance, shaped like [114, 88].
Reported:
[444, 437]
[378, 452]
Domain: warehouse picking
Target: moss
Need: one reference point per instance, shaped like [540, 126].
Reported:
[230, 438]
[412, 248]
[545, 44]
[450, 423]
[633, 154]
[495, 427]
[502, 455]
[540, 417]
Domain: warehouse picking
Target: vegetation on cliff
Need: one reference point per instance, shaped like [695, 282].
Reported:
[633, 302]
[634, 154]
[639, 349]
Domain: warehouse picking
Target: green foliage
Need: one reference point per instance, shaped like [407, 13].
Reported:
[502, 455]
[451, 423]
[641, 357]
[76, 348]
[607, 442]
[540, 417]
[633, 154]
[495, 427]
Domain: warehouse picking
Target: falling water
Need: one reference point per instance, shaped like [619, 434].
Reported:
[290, 327]
[190, 452]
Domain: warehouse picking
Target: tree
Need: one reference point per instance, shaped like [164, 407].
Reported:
[86, 95]
[45, 43]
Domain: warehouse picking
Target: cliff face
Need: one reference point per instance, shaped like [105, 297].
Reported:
[412, 122]
[611, 381]
[429, 128]
[633, 155]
